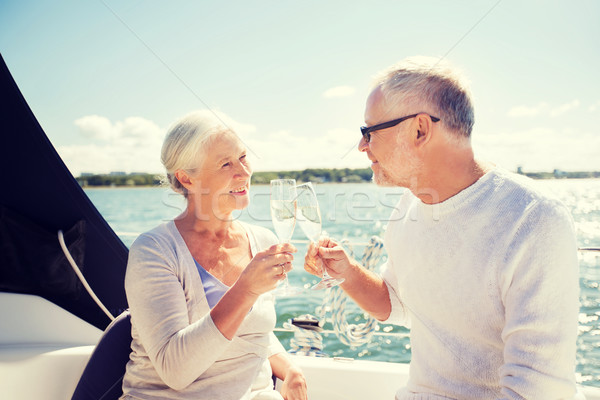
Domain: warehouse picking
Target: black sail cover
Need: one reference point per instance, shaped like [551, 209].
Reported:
[40, 196]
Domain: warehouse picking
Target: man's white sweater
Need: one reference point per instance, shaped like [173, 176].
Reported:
[488, 282]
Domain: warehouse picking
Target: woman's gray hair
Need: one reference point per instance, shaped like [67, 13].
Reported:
[186, 143]
[433, 84]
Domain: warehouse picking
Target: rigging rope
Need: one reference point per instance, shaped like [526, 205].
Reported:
[352, 334]
[63, 246]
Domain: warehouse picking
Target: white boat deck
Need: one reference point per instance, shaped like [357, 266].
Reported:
[44, 349]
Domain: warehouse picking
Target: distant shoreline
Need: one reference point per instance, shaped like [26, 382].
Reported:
[319, 175]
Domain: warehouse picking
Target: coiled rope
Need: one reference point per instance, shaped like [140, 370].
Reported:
[306, 342]
[335, 301]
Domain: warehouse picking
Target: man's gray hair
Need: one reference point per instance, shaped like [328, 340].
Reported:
[430, 85]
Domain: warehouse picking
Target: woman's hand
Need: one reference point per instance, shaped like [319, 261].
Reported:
[267, 268]
[312, 262]
[326, 253]
[294, 385]
[260, 276]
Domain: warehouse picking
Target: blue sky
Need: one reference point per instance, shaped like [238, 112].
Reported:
[105, 78]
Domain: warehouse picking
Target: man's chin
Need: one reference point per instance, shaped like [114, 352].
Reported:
[381, 179]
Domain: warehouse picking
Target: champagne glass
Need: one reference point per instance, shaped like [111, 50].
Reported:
[309, 217]
[283, 215]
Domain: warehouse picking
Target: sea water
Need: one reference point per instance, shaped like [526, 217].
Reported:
[357, 212]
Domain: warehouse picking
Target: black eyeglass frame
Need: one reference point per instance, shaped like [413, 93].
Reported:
[366, 130]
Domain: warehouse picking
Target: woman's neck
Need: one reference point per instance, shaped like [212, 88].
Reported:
[195, 220]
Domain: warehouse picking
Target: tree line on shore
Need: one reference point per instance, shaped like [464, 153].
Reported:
[344, 175]
[321, 175]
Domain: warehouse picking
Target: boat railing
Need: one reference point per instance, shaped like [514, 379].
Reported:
[357, 243]
[332, 332]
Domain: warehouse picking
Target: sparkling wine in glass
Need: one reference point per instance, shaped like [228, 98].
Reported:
[283, 216]
[308, 215]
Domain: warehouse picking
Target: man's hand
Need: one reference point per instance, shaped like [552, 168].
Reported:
[365, 287]
[327, 253]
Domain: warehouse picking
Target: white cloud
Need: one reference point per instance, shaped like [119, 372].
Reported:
[134, 143]
[339, 91]
[594, 107]
[132, 129]
[543, 108]
[106, 158]
[131, 145]
[96, 127]
[527, 111]
[556, 111]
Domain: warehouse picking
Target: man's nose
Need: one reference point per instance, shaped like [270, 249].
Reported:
[363, 145]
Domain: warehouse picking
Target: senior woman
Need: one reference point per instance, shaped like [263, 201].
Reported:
[198, 286]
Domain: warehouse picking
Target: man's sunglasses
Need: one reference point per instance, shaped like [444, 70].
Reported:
[366, 130]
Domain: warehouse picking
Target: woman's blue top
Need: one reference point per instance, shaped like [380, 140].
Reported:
[214, 288]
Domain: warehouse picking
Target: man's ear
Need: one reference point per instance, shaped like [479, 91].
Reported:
[424, 130]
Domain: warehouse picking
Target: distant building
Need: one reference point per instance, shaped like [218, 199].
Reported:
[84, 174]
[117, 173]
[559, 174]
